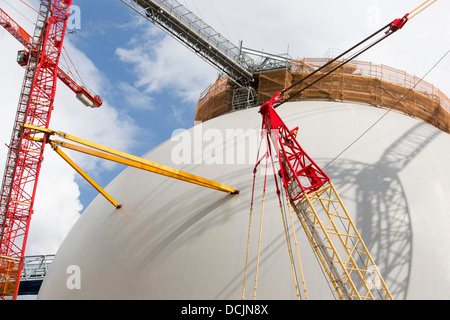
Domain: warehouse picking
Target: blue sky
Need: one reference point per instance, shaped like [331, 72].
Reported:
[112, 42]
[150, 83]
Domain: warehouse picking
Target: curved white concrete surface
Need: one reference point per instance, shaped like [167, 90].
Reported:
[175, 240]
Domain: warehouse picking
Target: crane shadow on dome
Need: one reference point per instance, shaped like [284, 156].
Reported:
[382, 211]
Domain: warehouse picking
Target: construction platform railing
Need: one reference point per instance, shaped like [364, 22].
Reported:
[358, 81]
[36, 267]
[377, 71]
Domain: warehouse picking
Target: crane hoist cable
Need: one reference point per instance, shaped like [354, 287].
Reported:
[258, 256]
[285, 225]
[30, 6]
[392, 27]
[331, 62]
[420, 8]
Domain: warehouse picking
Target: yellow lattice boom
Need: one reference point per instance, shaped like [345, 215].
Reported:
[340, 248]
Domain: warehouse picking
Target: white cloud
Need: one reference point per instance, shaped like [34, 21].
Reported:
[108, 125]
[176, 114]
[56, 208]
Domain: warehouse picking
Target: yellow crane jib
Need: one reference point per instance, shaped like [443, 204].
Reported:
[111, 154]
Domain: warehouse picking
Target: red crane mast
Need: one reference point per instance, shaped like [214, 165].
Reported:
[25, 152]
[344, 257]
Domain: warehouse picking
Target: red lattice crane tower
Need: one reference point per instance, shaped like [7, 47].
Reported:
[344, 257]
[25, 152]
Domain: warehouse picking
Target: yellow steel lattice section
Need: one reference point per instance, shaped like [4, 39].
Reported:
[340, 248]
[9, 275]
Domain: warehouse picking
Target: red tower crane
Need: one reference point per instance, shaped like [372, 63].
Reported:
[25, 153]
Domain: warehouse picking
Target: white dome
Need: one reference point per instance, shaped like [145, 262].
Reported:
[176, 240]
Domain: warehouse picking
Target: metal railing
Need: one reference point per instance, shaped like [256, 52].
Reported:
[378, 71]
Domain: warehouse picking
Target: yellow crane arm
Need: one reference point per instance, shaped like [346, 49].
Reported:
[111, 154]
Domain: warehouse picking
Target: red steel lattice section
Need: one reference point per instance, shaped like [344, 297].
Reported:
[299, 172]
[24, 38]
[25, 153]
